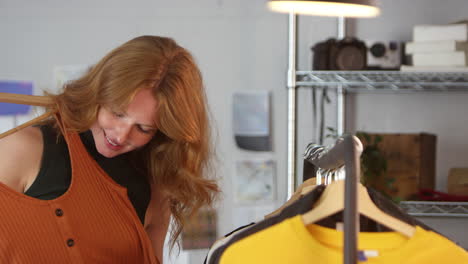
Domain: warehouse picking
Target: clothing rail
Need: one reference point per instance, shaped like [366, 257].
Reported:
[346, 151]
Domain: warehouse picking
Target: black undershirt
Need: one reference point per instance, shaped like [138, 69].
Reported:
[54, 176]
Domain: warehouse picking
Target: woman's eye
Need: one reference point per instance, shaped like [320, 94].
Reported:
[118, 114]
[145, 130]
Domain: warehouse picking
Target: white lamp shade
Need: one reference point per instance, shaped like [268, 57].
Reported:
[344, 8]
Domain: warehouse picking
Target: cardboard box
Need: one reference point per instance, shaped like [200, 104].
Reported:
[458, 181]
[410, 160]
[200, 230]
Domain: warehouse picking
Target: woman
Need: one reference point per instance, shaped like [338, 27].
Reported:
[129, 147]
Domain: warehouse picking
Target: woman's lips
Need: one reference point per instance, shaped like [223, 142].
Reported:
[111, 144]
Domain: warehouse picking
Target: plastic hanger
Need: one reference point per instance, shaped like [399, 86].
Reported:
[303, 189]
[25, 99]
[332, 201]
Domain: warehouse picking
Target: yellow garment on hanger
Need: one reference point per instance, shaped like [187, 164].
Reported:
[292, 242]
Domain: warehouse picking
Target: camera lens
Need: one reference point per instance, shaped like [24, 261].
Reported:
[378, 50]
[393, 45]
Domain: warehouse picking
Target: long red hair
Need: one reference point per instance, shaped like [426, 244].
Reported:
[177, 159]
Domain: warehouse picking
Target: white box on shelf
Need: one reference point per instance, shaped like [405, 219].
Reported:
[435, 46]
[441, 32]
[454, 58]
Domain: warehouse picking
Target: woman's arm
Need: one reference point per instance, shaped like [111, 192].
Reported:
[157, 220]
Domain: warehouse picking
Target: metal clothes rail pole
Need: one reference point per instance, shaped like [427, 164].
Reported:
[351, 217]
[344, 152]
[292, 109]
[350, 214]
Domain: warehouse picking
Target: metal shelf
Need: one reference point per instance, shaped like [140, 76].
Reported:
[396, 82]
[441, 209]
[385, 81]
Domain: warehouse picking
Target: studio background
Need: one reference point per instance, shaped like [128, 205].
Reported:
[239, 45]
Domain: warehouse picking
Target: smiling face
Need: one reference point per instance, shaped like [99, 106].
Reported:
[116, 132]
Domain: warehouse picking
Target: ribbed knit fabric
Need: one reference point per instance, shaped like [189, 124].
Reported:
[92, 222]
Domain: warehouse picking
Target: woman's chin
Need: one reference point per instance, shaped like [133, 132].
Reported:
[107, 152]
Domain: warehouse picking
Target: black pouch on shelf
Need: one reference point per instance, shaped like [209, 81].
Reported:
[321, 54]
[340, 55]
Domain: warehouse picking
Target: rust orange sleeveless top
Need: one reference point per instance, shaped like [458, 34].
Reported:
[93, 222]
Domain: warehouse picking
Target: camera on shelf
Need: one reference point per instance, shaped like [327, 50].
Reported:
[384, 55]
[340, 55]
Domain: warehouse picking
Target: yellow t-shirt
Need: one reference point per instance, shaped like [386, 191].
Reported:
[292, 242]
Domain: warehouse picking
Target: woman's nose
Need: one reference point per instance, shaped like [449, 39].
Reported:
[123, 133]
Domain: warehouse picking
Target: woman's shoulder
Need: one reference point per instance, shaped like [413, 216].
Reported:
[25, 139]
[20, 157]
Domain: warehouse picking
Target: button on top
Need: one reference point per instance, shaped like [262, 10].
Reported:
[58, 212]
[70, 242]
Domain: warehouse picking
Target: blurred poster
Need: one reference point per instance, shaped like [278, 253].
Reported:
[16, 87]
[254, 181]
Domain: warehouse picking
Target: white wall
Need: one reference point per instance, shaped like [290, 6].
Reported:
[239, 45]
